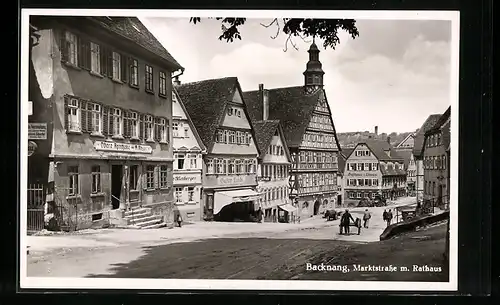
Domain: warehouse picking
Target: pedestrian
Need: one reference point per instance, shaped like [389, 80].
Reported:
[389, 217]
[345, 221]
[384, 216]
[259, 215]
[179, 220]
[366, 218]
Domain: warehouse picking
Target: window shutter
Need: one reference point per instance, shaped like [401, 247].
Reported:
[157, 129]
[81, 54]
[141, 126]
[111, 121]
[124, 68]
[89, 117]
[103, 58]
[167, 130]
[83, 116]
[110, 63]
[156, 177]
[126, 125]
[63, 47]
[66, 112]
[105, 122]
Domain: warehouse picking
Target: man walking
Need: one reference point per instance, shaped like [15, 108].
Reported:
[384, 216]
[389, 217]
[345, 221]
[366, 218]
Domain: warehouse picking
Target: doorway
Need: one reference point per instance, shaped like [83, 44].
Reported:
[116, 185]
[317, 204]
[339, 200]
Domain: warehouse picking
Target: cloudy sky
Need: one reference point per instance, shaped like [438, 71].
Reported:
[394, 75]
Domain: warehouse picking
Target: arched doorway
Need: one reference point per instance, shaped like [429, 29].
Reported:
[317, 205]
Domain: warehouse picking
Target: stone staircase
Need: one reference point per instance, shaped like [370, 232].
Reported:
[143, 218]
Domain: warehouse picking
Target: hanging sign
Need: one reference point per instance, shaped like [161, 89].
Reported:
[31, 148]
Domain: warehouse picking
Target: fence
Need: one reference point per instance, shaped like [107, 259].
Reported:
[36, 207]
[425, 207]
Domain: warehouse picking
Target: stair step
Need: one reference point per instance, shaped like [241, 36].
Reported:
[138, 211]
[155, 226]
[138, 215]
[142, 219]
[156, 220]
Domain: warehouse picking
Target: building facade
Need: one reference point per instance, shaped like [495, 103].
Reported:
[405, 150]
[436, 161]
[273, 170]
[188, 163]
[305, 115]
[418, 156]
[373, 168]
[341, 181]
[220, 116]
[106, 103]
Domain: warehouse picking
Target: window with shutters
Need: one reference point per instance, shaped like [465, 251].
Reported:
[116, 116]
[72, 48]
[149, 128]
[190, 194]
[133, 177]
[96, 179]
[73, 115]
[210, 166]
[163, 176]
[162, 130]
[133, 121]
[117, 70]
[175, 129]
[162, 90]
[74, 186]
[150, 177]
[94, 112]
[95, 58]
[149, 78]
[134, 72]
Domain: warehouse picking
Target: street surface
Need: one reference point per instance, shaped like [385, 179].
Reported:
[239, 251]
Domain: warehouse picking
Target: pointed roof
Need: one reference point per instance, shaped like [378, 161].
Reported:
[264, 132]
[379, 148]
[292, 106]
[205, 102]
[412, 134]
[202, 146]
[133, 29]
[420, 135]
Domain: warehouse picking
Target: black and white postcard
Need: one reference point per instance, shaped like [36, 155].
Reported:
[245, 150]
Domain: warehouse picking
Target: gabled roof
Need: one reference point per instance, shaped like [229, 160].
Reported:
[190, 122]
[292, 106]
[132, 28]
[264, 132]
[406, 155]
[379, 148]
[442, 120]
[206, 101]
[405, 139]
[420, 135]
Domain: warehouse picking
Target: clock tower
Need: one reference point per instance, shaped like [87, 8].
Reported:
[313, 75]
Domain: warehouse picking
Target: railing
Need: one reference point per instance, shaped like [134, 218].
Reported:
[425, 207]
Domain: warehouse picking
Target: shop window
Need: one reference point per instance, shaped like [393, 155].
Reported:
[178, 194]
[191, 194]
[150, 177]
[96, 179]
[74, 186]
[163, 176]
[133, 177]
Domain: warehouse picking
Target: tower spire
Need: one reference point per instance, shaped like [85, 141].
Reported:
[313, 75]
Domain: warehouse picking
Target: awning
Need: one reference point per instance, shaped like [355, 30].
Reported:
[221, 199]
[288, 207]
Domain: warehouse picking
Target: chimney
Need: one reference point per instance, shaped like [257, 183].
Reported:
[264, 93]
[376, 130]
[177, 82]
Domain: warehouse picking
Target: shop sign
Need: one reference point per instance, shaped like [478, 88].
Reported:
[31, 148]
[37, 131]
[123, 147]
[367, 174]
[185, 178]
[231, 180]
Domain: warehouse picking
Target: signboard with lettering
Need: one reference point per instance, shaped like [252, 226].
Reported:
[362, 174]
[37, 131]
[187, 178]
[123, 147]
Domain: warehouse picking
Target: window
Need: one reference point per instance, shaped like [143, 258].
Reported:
[149, 128]
[193, 160]
[249, 138]
[74, 188]
[254, 165]
[133, 177]
[230, 167]
[134, 72]
[219, 166]
[374, 166]
[73, 115]
[230, 111]
[163, 84]
[242, 167]
[96, 179]
[358, 195]
[95, 58]
[178, 194]
[232, 136]
[134, 125]
[190, 193]
[117, 69]
[210, 166]
[186, 132]
[95, 117]
[149, 78]
[161, 130]
[117, 121]
[163, 176]
[175, 129]
[180, 161]
[72, 48]
[150, 177]
[367, 166]
[360, 166]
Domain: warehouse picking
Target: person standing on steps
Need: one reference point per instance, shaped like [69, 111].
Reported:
[366, 218]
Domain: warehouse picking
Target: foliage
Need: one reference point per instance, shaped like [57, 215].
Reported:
[325, 29]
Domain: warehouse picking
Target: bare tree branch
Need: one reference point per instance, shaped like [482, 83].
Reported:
[275, 21]
[272, 22]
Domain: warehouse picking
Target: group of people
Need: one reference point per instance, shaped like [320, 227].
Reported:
[387, 217]
[345, 220]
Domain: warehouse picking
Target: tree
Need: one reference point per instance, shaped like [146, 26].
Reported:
[325, 29]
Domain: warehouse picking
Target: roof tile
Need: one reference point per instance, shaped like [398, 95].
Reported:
[264, 132]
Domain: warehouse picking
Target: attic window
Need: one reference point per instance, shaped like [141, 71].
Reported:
[136, 28]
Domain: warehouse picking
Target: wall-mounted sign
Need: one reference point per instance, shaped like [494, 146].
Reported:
[362, 174]
[31, 148]
[187, 178]
[231, 180]
[123, 147]
[37, 131]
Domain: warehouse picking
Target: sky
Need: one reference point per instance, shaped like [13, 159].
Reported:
[393, 75]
